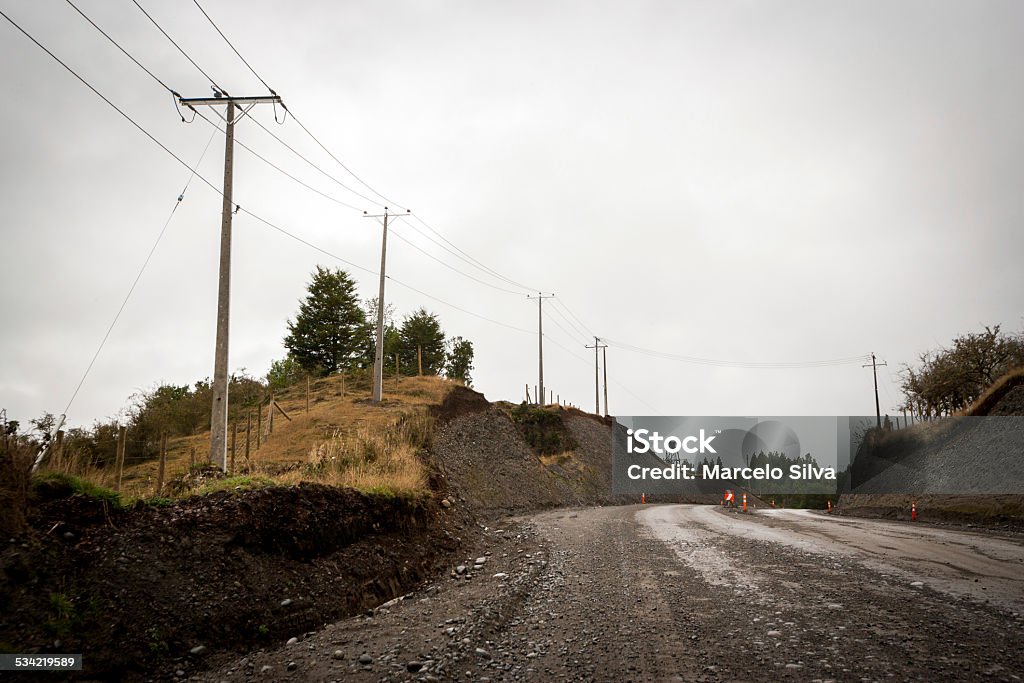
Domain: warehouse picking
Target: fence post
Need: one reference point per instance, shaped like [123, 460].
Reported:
[163, 463]
[122, 434]
[234, 442]
[58, 449]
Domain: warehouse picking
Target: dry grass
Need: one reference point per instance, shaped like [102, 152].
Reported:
[991, 396]
[341, 423]
[16, 459]
[379, 460]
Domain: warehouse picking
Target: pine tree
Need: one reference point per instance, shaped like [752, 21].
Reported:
[422, 330]
[330, 332]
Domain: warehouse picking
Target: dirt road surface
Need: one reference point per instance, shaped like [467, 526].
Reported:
[681, 593]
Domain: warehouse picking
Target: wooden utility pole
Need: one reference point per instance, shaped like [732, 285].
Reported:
[597, 376]
[259, 426]
[540, 341]
[307, 393]
[122, 434]
[219, 409]
[248, 434]
[874, 370]
[419, 357]
[378, 367]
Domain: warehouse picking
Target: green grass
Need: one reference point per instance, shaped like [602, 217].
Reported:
[60, 485]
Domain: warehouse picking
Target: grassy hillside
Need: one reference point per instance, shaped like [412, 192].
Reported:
[343, 439]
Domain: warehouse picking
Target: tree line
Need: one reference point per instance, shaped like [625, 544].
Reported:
[950, 379]
[332, 332]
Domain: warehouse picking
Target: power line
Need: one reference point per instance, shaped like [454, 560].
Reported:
[212, 23]
[587, 330]
[611, 378]
[278, 168]
[477, 263]
[131, 290]
[313, 164]
[182, 51]
[850, 360]
[126, 53]
[453, 268]
[459, 253]
[556, 324]
[571, 324]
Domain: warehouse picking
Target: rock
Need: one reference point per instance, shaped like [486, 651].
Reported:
[292, 641]
[286, 602]
[775, 633]
[461, 569]
[365, 659]
[266, 668]
[501, 575]
[413, 667]
[292, 666]
[338, 654]
[480, 560]
[68, 536]
[794, 666]
[480, 652]
[917, 584]
[198, 650]
[445, 503]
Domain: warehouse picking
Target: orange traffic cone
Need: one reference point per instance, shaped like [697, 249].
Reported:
[830, 505]
[744, 502]
[643, 498]
[913, 511]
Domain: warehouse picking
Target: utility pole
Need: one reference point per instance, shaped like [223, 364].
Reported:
[604, 367]
[540, 341]
[219, 409]
[597, 375]
[874, 371]
[378, 365]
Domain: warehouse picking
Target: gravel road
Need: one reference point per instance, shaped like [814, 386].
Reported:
[682, 593]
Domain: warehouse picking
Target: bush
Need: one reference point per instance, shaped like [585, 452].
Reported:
[542, 429]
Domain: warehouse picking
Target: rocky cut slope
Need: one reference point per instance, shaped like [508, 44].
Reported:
[499, 458]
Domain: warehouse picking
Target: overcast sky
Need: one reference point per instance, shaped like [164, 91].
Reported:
[744, 181]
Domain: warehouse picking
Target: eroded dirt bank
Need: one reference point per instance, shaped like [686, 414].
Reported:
[153, 591]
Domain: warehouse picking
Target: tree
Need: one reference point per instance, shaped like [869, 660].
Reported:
[460, 361]
[283, 373]
[422, 331]
[330, 332]
[950, 379]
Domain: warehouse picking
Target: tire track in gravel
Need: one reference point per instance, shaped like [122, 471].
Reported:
[655, 593]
